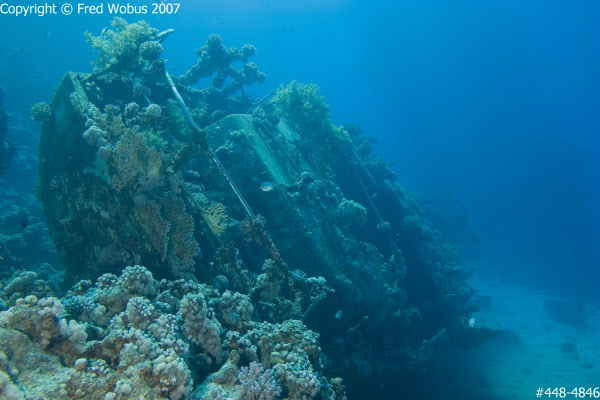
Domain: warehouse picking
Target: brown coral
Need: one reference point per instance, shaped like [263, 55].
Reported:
[155, 227]
[183, 245]
[133, 160]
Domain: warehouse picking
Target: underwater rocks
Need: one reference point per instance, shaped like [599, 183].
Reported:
[134, 337]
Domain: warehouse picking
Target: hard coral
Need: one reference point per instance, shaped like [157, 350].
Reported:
[350, 213]
[119, 49]
[151, 50]
[215, 57]
[258, 383]
[304, 107]
[145, 350]
[41, 112]
[199, 325]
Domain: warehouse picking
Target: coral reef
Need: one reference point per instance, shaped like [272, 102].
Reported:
[262, 226]
[133, 336]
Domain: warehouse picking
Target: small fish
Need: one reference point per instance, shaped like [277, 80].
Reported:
[338, 315]
[472, 323]
[267, 186]
[47, 34]
[375, 195]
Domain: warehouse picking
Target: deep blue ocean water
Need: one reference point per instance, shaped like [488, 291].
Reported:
[488, 111]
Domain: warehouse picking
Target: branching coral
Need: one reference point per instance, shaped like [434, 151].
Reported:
[119, 49]
[268, 284]
[234, 310]
[199, 326]
[229, 263]
[151, 50]
[304, 107]
[215, 57]
[258, 383]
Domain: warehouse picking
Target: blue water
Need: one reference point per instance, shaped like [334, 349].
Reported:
[488, 111]
[495, 104]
